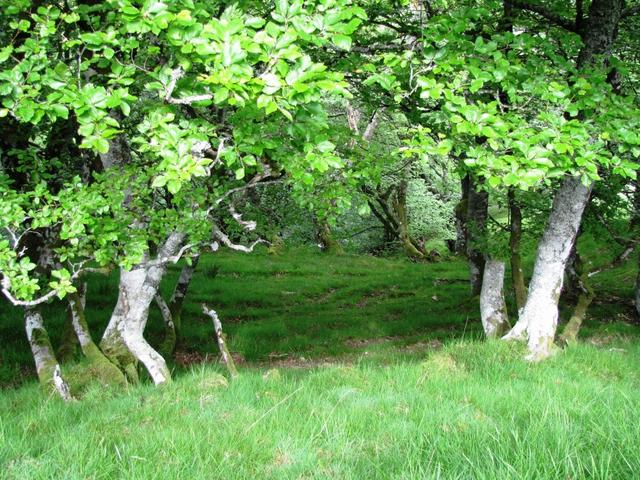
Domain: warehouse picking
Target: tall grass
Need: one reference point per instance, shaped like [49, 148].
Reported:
[470, 410]
[379, 397]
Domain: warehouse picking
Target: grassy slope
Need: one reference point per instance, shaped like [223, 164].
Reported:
[396, 408]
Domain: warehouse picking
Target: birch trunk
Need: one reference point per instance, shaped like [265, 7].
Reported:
[540, 315]
[45, 360]
[493, 310]
[123, 341]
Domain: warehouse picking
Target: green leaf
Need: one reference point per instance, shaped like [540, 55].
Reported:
[101, 145]
[220, 95]
[60, 110]
[159, 182]
[174, 186]
[342, 41]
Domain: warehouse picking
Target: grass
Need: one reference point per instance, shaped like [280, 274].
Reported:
[301, 303]
[471, 410]
[397, 384]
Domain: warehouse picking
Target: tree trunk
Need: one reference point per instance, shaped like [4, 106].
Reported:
[123, 340]
[106, 372]
[172, 333]
[227, 358]
[569, 334]
[637, 292]
[635, 223]
[45, 360]
[493, 309]
[169, 342]
[326, 240]
[477, 211]
[461, 218]
[517, 276]
[539, 317]
[69, 341]
[410, 246]
[180, 292]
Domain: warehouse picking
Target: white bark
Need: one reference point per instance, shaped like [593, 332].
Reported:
[77, 304]
[46, 363]
[493, 309]
[164, 311]
[62, 387]
[224, 351]
[138, 287]
[540, 314]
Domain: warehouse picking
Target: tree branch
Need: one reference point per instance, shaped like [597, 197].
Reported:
[170, 258]
[554, 18]
[220, 235]
[6, 291]
[176, 74]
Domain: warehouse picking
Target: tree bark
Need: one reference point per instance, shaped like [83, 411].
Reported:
[325, 238]
[69, 341]
[461, 217]
[169, 342]
[107, 373]
[569, 334]
[515, 238]
[635, 223]
[222, 344]
[410, 246]
[493, 310]
[539, 317]
[637, 289]
[123, 340]
[477, 212]
[46, 364]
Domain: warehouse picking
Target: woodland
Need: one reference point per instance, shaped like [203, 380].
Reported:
[319, 239]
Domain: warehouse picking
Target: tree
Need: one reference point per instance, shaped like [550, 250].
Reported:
[522, 110]
[178, 106]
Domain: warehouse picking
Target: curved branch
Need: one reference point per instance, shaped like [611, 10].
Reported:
[554, 18]
[220, 235]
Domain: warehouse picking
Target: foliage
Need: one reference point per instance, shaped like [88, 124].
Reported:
[204, 95]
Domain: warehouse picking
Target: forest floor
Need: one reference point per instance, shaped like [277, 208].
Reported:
[351, 367]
